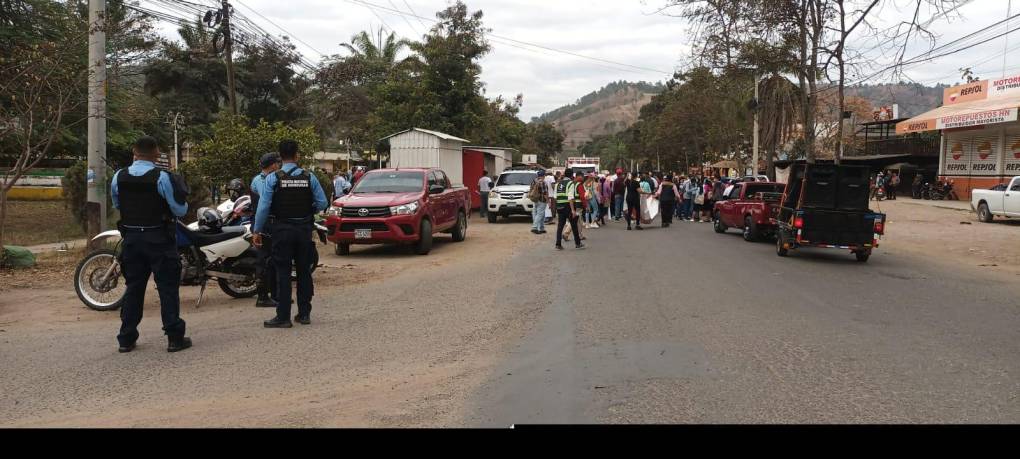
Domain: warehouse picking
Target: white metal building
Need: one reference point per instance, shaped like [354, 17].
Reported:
[423, 148]
[497, 159]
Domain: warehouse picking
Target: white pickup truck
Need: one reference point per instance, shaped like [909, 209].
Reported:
[1003, 200]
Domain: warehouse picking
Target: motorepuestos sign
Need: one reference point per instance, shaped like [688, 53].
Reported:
[962, 120]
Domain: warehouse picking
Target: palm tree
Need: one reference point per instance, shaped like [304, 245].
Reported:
[381, 51]
[780, 107]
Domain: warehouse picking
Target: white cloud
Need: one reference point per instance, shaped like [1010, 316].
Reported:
[615, 30]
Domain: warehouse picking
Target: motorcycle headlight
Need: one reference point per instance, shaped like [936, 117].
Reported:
[406, 209]
[333, 211]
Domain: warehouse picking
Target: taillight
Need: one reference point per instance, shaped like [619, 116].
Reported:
[879, 226]
[798, 222]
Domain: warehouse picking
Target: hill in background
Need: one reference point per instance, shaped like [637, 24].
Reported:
[913, 98]
[606, 111]
[618, 105]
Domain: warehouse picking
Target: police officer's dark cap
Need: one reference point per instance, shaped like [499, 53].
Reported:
[269, 159]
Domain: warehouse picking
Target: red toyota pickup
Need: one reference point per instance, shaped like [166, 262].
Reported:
[399, 206]
[752, 206]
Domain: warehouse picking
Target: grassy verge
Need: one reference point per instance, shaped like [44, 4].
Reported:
[40, 222]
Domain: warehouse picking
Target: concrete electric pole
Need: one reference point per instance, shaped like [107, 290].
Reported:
[176, 122]
[757, 109]
[95, 208]
[228, 43]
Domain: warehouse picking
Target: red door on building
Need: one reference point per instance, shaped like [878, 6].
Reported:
[474, 165]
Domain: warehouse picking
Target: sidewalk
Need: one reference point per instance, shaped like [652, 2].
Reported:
[952, 205]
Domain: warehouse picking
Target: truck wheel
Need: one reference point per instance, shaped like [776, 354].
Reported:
[719, 226]
[492, 217]
[424, 245]
[342, 249]
[984, 214]
[780, 250]
[460, 231]
[863, 255]
[750, 229]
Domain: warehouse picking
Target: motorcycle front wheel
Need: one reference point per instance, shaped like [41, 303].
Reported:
[98, 281]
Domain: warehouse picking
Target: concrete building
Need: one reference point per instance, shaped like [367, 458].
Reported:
[980, 145]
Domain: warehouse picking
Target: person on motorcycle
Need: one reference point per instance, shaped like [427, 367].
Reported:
[266, 274]
[149, 199]
[236, 189]
[289, 201]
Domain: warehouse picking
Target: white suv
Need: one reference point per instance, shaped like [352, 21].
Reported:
[510, 195]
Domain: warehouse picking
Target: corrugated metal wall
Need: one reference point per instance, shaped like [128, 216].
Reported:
[418, 149]
[414, 149]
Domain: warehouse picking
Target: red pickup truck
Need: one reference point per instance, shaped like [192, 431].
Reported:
[752, 206]
[399, 206]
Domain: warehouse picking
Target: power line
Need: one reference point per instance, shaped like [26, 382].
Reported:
[535, 45]
[403, 17]
[408, 5]
[281, 28]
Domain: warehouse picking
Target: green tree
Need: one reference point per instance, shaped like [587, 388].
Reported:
[545, 141]
[236, 145]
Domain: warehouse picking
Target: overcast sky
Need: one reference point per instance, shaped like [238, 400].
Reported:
[622, 31]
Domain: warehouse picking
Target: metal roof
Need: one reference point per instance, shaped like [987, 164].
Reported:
[441, 135]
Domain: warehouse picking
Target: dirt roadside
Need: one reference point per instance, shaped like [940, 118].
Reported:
[951, 237]
[397, 340]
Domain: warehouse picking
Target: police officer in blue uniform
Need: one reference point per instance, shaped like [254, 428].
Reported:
[149, 199]
[270, 163]
[288, 202]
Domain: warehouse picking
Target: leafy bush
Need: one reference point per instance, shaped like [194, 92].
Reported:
[236, 146]
[201, 189]
[76, 195]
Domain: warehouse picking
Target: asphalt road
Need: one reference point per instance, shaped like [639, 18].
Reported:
[662, 326]
[683, 325]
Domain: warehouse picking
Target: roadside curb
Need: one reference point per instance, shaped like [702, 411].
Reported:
[940, 206]
[58, 246]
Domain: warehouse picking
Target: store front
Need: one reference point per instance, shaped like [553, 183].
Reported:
[980, 127]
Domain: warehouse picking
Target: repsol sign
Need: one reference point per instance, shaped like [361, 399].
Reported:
[956, 167]
[1013, 167]
[984, 167]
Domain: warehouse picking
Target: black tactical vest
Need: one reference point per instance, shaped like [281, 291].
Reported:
[292, 196]
[140, 202]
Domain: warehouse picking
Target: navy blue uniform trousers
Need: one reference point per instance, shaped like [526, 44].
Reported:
[142, 254]
[292, 246]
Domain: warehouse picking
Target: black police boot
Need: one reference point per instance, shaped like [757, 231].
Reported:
[265, 302]
[303, 320]
[126, 348]
[177, 343]
[277, 322]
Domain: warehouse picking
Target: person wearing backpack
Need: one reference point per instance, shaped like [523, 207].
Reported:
[539, 195]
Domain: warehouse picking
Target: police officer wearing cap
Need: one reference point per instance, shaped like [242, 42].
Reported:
[288, 203]
[270, 163]
[149, 199]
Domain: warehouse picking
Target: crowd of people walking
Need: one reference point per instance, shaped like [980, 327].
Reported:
[591, 201]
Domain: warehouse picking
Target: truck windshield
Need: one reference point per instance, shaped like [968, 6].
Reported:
[754, 188]
[390, 182]
[515, 179]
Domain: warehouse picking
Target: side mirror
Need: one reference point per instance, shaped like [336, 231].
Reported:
[436, 189]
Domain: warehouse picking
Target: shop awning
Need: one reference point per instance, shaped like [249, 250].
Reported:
[966, 114]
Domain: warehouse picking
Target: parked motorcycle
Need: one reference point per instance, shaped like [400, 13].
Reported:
[224, 254]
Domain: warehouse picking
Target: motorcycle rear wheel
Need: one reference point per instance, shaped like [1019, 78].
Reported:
[92, 291]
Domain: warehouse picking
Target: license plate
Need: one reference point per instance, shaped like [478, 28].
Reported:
[362, 234]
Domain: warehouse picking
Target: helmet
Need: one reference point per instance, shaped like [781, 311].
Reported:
[236, 189]
[208, 219]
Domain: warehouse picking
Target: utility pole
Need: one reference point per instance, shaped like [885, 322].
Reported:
[757, 109]
[228, 43]
[176, 122]
[95, 208]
